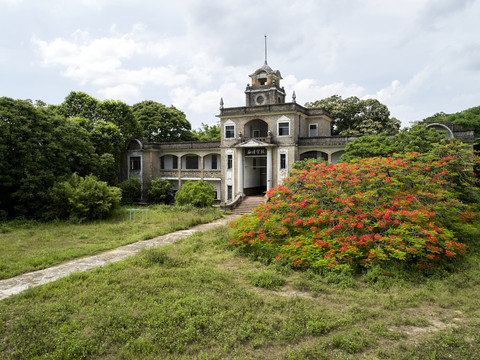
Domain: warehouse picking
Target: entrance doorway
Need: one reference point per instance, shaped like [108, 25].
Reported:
[255, 175]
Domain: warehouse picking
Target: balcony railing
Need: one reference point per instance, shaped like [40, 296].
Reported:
[191, 173]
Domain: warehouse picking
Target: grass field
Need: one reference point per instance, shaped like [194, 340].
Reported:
[196, 299]
[31, 245]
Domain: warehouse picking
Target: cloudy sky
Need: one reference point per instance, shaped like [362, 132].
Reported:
[418, 57]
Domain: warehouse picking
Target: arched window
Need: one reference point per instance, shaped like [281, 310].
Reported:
[314, 155]
[336, 156]
[190, 162]
[211, 162]
[168, 162]
[256, 128]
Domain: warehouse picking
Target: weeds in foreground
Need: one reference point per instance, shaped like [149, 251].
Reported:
[27, 245]
[197, 300]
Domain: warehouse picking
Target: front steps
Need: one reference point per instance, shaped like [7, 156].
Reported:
[248, 204]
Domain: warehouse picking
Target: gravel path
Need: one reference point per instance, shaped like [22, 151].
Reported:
[17, 284]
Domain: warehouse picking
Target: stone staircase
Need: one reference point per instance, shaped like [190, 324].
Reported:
[248, 204]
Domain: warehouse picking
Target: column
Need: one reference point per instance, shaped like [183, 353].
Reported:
[240, 170]
[269, 169]
[179, 167]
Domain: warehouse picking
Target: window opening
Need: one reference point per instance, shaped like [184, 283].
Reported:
[191, 162]
[229, 131]
[135, 163]
[283, 129]
[214, 162]
[283, 161]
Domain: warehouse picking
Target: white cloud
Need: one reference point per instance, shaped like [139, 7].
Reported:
[105, 61]
[386, 94]
[182, 96]
[416, 56]
[308, 90]
[11, 2]
[124, 92]
[202, 106]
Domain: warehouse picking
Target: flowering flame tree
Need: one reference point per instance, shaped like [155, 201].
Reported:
[406, 207]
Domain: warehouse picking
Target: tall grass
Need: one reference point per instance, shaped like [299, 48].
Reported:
[32, 245]
[196, 299]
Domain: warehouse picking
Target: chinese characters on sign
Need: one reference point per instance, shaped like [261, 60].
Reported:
[255, 151]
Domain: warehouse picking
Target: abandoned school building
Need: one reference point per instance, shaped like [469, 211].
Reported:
[258, 144]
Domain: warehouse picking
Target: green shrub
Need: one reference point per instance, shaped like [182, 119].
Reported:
[197, 193]
[160, 191]
[131, 190]
[409, 208]
[107, 169]
[81, 198]
[3, 215]
[307, 163]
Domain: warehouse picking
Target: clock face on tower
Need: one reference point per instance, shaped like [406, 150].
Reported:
[260, 99]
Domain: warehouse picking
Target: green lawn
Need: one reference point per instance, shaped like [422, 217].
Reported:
[196, 299]
[31, 245]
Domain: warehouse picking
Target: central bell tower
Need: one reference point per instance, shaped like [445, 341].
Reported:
[265, 88]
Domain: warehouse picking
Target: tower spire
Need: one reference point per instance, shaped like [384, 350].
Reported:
[265, 49]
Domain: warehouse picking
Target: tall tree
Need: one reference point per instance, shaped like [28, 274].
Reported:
[108, 144]
[161, 123]
[418, 138]
[207, 132]
[352, 116]
[36, 148]
[120, 114]
[79, 104]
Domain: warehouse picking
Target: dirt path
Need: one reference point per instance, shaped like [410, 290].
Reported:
[17, 284]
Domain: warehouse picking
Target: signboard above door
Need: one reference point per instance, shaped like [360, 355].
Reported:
[255, 151]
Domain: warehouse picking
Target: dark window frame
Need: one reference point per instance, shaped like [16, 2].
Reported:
[214, 162]
[135, 163]
[229, 131]
[283, 161]
[191, 162]
[284, 128]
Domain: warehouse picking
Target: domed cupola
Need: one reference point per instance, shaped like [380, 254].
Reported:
[265, 88]
[265, 76]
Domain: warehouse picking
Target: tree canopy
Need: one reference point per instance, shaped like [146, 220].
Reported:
[207, 132]
[352, 116]
[42, 144]
[81, 105]
[161, 123]
[37, 148]
[120, 114]
[469, 119]
[418, 138]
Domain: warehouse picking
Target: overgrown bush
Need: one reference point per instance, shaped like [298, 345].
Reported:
[197, 193]
[81, 198]
[131, 190]
[404, 208]
[306, 163]
[160, 191]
